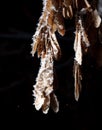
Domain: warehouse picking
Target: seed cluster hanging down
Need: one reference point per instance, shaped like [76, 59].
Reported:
[47, 47]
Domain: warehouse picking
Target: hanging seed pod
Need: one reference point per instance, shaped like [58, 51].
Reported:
[77, 80]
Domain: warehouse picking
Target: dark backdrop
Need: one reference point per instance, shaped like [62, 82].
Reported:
[18, 70]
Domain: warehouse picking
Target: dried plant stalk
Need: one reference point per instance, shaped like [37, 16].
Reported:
[47, 47]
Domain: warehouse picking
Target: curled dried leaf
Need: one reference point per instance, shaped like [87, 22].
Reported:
[66, 3]
[46, 104]
[54, 103]
[96, 18]
[67, 12]
[59, 21]
[87, 4]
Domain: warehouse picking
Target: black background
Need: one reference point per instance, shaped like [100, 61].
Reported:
[18, 70]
